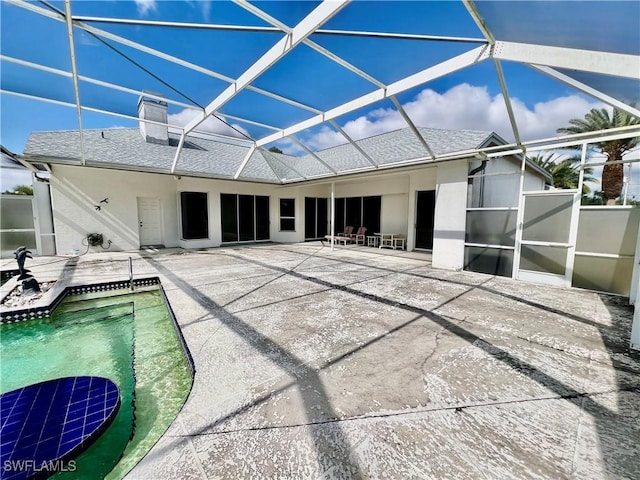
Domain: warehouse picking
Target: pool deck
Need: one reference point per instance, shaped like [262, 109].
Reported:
[361, 363]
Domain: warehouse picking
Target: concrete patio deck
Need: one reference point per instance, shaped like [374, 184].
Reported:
[360, 363]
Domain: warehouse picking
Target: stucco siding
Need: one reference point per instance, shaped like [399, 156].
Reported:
[77, 190]
[450, 215]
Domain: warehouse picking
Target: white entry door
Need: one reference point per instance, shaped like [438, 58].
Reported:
[149, 221]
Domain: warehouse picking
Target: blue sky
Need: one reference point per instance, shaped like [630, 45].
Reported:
[468, 99]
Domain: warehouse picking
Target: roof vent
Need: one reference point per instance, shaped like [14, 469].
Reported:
[155, 110]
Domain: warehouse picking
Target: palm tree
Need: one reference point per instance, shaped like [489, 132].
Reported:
[565, 172]
[612, 173]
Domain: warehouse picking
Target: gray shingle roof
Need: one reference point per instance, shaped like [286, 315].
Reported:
[125, 148]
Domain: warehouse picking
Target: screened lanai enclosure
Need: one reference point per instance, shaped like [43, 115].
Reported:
[292, 104]
[560, 242]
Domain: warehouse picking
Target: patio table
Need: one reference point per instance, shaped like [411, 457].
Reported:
[391, 240]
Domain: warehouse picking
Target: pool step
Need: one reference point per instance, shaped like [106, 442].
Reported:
[74, 313]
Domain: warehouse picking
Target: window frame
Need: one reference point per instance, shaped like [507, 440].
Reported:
[186, 197]
[287, 217]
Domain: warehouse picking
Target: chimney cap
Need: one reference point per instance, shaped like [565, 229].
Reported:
[151, 108]
[152, 97]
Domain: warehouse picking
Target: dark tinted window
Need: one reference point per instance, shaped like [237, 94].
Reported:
[195, 216]
[287, 207]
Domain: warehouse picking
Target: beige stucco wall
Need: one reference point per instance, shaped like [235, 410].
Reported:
[214, 188]
[76, 190]
[450, 216]
[393, 188]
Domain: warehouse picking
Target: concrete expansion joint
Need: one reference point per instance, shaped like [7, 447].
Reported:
[576, 440]
[455, 409]
[615, 365]
[193, 450]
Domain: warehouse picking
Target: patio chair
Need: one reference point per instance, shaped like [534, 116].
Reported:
[348, 232]
[344, 237]
[360, 235]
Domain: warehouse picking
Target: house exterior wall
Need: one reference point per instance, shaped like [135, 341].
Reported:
[450, 215]
[297, 192]
[213, 189]
[533, 183]
[394, 192]
[77, 190]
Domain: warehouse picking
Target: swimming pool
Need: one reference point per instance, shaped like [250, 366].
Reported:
[127, 337]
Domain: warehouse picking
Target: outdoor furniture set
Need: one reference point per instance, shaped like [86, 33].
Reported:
[378, 239]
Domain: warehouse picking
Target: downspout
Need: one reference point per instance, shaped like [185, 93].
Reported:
[472, 173]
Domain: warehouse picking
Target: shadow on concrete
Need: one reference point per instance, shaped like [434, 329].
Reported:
[610, 424]
[311, 389]
[611, 428]
[614, 425]
[483, 288]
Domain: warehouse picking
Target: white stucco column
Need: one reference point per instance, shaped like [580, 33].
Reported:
[450, 215]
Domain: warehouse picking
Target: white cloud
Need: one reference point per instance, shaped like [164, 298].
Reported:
[86, 39]
[10, 178]
[146, 6]
[205, 7]
[463, 107]
[210, 125]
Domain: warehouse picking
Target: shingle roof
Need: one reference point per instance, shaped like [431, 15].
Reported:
[125, 148]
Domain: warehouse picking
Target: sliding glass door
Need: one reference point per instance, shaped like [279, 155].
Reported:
[245, 218]
[262, 217]
[358, 212]
[315, 218]
[425, 216]
[229, 211]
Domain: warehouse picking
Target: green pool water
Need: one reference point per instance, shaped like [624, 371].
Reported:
[128, 338]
